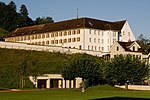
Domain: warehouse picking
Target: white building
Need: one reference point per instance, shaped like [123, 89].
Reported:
[55, 81]
[132, 48]
[82, 33]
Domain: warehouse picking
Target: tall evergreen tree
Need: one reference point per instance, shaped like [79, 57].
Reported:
[24, 11]
[12, 5]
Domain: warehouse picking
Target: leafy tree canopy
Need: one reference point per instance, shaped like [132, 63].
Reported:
[123, 68]
[84, 66]
[43, 20]
[144, 42]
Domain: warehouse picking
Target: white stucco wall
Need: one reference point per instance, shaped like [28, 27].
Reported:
[127, 33]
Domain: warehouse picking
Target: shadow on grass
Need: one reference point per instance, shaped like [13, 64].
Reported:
[121, 98]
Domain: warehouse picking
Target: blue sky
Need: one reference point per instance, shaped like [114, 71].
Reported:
[137, 12]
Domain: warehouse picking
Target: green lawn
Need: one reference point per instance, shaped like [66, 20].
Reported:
[92, 93]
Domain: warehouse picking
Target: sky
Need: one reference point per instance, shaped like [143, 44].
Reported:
[137, 12]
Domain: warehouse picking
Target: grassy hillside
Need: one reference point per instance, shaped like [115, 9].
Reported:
[14, 63]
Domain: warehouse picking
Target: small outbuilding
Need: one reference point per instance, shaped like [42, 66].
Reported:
[54, 81]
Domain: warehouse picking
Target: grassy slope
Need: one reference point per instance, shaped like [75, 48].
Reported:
[96, 93]
[50, 61]
[37, 62]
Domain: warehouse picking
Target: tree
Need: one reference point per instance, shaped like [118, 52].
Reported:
[43, 20]
[84, 66]
[144, 42]
[123, 68]
[24, 11]
[12, 5]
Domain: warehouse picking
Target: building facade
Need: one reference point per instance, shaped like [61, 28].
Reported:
[82, 33]
[132, 48]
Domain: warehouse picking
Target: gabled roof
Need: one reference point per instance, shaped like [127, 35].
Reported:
[125, 45]
[68, 24]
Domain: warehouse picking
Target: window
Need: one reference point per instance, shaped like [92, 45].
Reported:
[56, 34]
[90, 40]
[94, 40]
[89, 31]
[52, 35]
[128, 33]
[140, 57]
[117, 48]
[102, 34]
[21, 38]
[99, 48]
[95, 32]
[39, 36]
[65, 40]
[133, 48]
[114, 34]
[102, 41]
[88, 47]
[35, 36]
[95, 48]
[73, 39]
[47, 35]
[32, 37]
[43, 36]
[98, 40]
[108, 33]
[98, 33]
[52, 42]
[73, 32]
[16, 39]
[39, 43]
[69, 33]
[78, 31]
[28, 38]
[47, 42]
[65, 33]
[25, 38]
[43, 42]
[114, 40]
[78, 39]
[80, 47]
[69, 40]
[102, 48]
[60, 33]
[60, 41]
[56, 41]
[92, 47]
[36, 43]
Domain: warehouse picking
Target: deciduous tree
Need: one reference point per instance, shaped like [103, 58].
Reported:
[123, 68]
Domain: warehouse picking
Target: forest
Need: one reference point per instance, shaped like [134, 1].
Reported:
[10, 19]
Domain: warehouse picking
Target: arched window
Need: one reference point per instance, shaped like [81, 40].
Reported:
[117, 48]
[133, 48]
